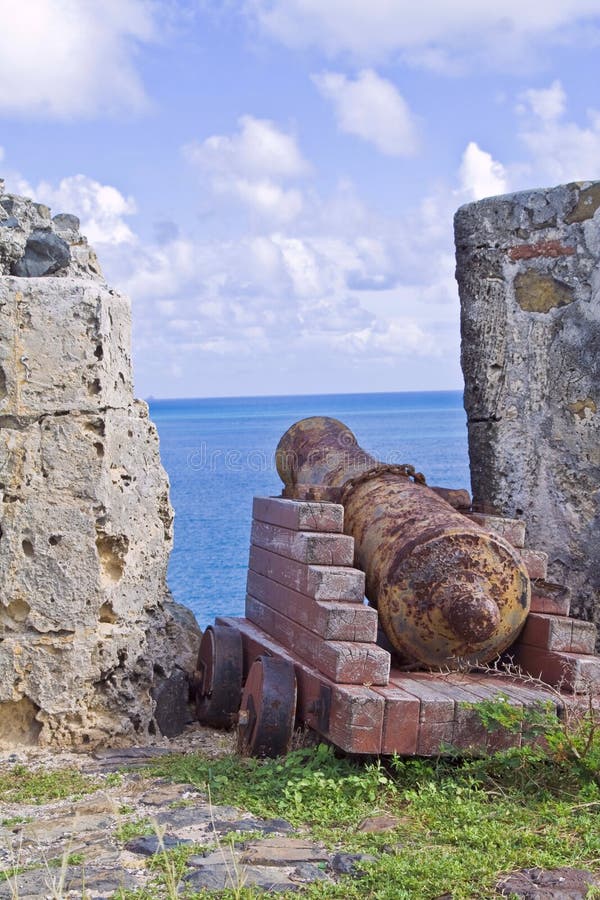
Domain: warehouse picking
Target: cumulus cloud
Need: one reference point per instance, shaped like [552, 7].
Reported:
[559, 150]
[253, 166]
[337, 289]
[545, 103]
[480, 174]
[64, 59]
[373, 109]
[433, 33]
[258, 149]
[100, 207]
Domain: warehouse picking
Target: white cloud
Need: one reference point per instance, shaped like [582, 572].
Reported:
[480, 174]
[259, 149]
[252, 166]
[100, 207]
[371, 108]
[432, 33]
[66, 58]
[545, 103]
[559, 150]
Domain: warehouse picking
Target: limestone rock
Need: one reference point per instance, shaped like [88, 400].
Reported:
[45, 253]
[529, 279]
[33, 244]
[90, 639]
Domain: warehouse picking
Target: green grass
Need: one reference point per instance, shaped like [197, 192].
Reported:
[15, 820]
[462, 823]
[19, 785]
[136, 828]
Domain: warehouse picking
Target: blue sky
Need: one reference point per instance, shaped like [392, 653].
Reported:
[273, 181]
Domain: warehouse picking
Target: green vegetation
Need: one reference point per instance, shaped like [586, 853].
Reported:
[15, 820]
[20, 785]
[135, 828]
[461, 823]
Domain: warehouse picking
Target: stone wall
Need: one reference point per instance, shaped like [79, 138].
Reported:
[529, 280]
[92, 648]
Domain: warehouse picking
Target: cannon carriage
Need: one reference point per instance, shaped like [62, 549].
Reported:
[447, 593]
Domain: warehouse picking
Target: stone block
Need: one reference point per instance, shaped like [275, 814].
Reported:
[536, 563]
[334, 620]
[299, 515]
[318, 582]
[527, 270]
[65, 347]
[512, 530]
[90, 635]
[317, 548]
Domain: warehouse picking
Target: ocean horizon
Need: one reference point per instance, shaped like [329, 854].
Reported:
[220, 452]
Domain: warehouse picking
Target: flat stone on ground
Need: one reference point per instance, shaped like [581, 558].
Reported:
[270, 826]
[548, 884]
[283, 852]
[150, 844]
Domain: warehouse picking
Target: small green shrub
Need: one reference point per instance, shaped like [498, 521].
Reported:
[570, 740]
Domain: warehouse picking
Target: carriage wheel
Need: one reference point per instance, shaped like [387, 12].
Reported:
[268, 710]
[218, 679]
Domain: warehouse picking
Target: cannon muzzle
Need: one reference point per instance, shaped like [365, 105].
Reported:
[448, 592]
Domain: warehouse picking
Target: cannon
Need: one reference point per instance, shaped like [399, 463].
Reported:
[448, 592]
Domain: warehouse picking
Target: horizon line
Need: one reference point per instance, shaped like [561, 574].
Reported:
[151, 398]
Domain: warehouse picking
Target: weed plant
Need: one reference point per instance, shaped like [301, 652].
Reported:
[21, 785]
[462, 823]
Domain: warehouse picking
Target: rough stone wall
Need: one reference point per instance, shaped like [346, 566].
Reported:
[92, 648]
[529, 280]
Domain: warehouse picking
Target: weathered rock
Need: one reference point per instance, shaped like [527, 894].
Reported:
[152, 843]
[268, 826]
[529, 279]
[281, 851]
[350, 863]
[45, 253]
[172, 710]
[548, 884]
[33, 244]
[92, 649]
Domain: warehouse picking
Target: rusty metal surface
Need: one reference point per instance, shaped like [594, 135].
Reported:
[218, 676]
[268, 708]
[448, 592]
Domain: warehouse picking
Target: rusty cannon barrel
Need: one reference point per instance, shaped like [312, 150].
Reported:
[448, 592]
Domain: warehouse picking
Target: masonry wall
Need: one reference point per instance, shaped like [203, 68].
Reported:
[528, 270]
[92, 648]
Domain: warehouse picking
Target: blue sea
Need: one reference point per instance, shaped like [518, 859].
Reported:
[219, 454]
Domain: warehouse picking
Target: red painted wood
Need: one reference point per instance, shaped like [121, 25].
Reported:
[543, 601]
[318, 582]
[400, 721]
[299, 515]
[536, 563]
[333, 620]
[344, 662]
[574, 672]
[512, 530]
[356, 713]
[313, 547]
